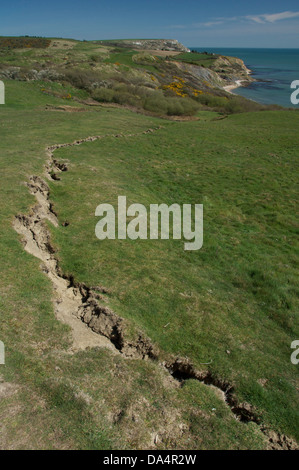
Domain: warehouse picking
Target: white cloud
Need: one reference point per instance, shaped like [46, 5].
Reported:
[266, 18]
[272, 18]
[208, 24]
[256, 19]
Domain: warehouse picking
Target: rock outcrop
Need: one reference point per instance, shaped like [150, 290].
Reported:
[171, 45]
[231, 69]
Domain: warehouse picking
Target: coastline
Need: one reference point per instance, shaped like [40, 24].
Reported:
[234, 86]
[244, 80]
[237, 84]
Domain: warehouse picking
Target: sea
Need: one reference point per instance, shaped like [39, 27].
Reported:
[273, 69]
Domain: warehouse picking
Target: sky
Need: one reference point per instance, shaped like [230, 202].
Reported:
[195, 23]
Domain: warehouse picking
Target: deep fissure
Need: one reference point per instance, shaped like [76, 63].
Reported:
[78, 303]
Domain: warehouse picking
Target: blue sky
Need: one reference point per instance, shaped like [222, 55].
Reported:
[226, 23]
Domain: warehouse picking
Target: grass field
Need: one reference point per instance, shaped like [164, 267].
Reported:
[233, 304]
[198, 58]
[239, 292]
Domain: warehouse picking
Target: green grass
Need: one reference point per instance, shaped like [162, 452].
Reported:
[238, 294]
[86, 400]
[126, 58]
[204, 60]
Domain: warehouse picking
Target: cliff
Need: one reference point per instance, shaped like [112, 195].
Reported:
[171, 45]
[232, 69]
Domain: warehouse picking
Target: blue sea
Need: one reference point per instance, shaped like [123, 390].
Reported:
[274, 70]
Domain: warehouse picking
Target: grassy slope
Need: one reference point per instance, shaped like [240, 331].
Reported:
[205, 60]
[84, 400]
[237, 294]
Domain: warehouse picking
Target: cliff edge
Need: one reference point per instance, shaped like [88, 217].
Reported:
[171, 45]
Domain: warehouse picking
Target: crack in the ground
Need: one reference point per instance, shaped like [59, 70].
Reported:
[182, 370]
[94, 325]
[75, 304]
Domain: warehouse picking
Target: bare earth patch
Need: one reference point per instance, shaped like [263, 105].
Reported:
[7, 389]
[62, 44]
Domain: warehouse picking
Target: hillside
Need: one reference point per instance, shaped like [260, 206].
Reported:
[165, 81]
[139, 344]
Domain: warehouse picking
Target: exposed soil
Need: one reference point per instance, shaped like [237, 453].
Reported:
[76, 305]
[7, 389]
[134, 109]
[36, 239]
[65, 108]
[95, 325]
[62, 44]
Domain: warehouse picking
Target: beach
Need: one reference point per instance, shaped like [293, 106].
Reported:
[237, 84]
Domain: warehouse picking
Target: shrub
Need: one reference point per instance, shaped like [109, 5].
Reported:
[117, 95]
[104, 95]
[126, 98]
[24, 42]
[160, 104]
[181, 107]
[144, 59]
[97, 58]
[156, 104]
[81, 78]
[232, 104]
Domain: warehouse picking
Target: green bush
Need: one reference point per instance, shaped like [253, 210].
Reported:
[127, 98]
[119, 90]
[97, 58]
[104, 95]
[24, 42]
[144, 59]
[119, 95]
[212, 101]
[81, 78]
[181, 107]
[232, 104]
[158, 103]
